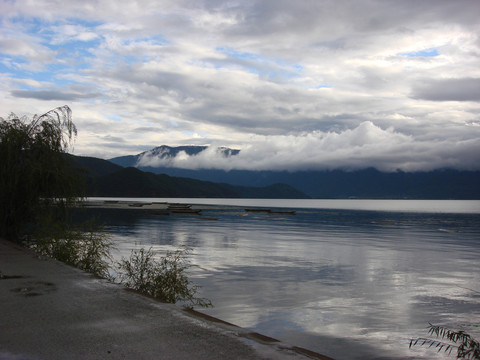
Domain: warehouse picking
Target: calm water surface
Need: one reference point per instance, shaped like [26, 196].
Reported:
[350, 279]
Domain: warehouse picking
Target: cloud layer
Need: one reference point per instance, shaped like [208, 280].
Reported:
[359, 148]
[294, 85]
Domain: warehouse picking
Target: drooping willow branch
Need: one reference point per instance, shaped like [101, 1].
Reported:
[467, 347]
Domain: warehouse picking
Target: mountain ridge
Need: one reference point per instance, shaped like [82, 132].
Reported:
[104, 178]
[363, 183]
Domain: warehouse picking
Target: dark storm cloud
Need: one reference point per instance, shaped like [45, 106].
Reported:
[52, 95]
[465, 89]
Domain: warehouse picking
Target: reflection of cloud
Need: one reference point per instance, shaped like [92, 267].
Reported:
[326, 280]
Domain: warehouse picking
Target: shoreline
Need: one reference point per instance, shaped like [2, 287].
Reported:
[136, 204]
[54, 311]
[393, 205]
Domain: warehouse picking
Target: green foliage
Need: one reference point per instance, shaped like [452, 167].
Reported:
[164, 279]
[34, 172]
[37, 186]
[86, 247]
[467, 347]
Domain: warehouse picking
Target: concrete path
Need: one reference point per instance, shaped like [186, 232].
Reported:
[49, 310]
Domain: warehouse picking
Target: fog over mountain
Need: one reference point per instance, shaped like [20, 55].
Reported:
[363, 147]
[199, 162]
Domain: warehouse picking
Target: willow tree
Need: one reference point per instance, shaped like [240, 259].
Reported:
[35, 175]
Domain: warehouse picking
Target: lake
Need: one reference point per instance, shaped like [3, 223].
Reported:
[351, 279]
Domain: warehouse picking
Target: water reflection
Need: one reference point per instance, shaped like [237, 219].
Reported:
[348, 284]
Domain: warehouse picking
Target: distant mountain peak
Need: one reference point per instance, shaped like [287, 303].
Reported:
[225, 151]
[165, 151]
[169, 152]
[169, 156]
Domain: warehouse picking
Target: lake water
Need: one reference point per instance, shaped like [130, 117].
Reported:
[351, 279]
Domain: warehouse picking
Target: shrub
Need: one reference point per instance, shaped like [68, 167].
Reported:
[86, 247]
[164, 279]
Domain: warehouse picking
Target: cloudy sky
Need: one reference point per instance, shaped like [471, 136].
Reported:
[306, 84]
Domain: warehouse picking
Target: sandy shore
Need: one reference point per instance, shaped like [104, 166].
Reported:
[53, 311]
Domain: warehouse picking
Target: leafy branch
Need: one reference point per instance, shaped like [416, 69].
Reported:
[467, 347]
[35, 174]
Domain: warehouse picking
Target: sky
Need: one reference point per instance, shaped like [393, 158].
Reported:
[295, 85]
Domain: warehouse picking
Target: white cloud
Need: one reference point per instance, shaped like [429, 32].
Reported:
[25, 52]
[344, 81]
[67, 33]
[364, 146]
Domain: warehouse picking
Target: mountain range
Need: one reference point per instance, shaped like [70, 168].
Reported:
[364, 183]
[104, 178]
